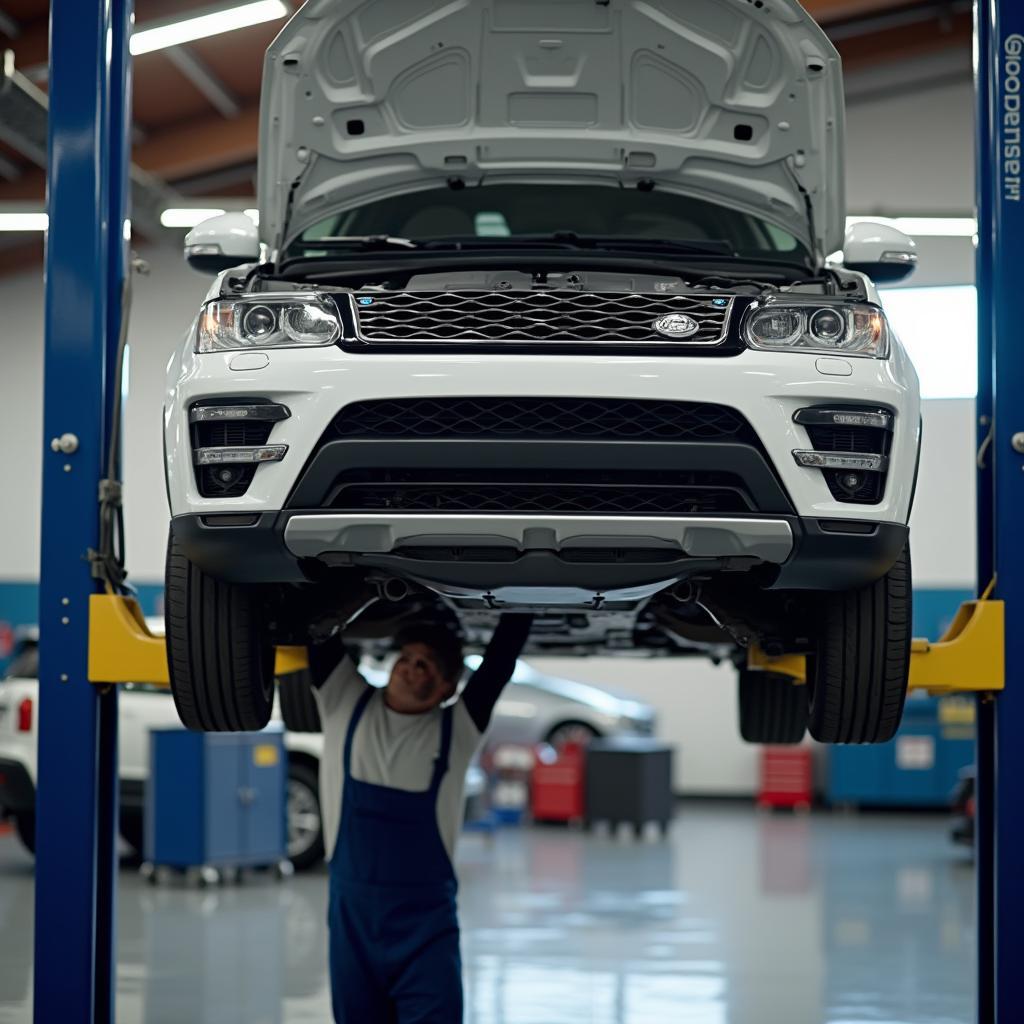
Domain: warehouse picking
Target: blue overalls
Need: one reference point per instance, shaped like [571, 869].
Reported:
[394, 933]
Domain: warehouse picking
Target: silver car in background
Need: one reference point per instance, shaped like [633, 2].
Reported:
[538, 708]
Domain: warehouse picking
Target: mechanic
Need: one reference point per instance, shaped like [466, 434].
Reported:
[391, 798]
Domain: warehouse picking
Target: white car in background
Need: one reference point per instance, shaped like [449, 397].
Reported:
[545, 321]
[535, 708]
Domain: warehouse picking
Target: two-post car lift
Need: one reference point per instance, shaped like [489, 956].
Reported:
[88, 636]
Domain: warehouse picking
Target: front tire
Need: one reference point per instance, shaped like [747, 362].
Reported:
[305, 824]
[571, 731]
[25, 826]
[132, 828]
[772, 708]
[220, 659]
[858, 675]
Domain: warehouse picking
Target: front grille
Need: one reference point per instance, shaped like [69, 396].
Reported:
[557, 419]
[227, 481]
[856, 440]
[518, 316]
[538, 492]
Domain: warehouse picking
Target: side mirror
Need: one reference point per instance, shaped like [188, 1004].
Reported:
[221, 242]
[881, 251]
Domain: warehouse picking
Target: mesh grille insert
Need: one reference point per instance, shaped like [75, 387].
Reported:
[563, 419]
[230, 433]
[868, 440]
[671, 494]
[521, 315]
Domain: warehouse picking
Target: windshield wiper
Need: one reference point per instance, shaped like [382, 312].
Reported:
[704, 247]
[572, 240]
[364, 243]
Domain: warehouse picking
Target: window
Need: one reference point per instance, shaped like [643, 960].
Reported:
[518, 210]
[939, 329]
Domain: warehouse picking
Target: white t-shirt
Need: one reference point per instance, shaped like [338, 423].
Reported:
[389, 749]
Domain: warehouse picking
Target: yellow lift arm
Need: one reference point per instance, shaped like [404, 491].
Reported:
[968, 658]
[122, 649]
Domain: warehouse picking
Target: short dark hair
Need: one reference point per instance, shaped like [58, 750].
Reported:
[442, 640]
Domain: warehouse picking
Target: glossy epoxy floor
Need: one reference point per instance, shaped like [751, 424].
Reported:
[738, 918]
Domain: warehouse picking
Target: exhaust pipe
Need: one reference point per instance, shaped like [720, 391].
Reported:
[684, 591]
[393, 589]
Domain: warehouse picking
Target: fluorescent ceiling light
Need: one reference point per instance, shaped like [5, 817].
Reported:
[23, 221]
[186, 216]
[937, 227]
[212, 23]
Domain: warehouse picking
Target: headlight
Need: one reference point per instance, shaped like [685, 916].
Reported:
[852, 329]
[268, 321]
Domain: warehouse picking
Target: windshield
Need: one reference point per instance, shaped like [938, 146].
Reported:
[495, 212]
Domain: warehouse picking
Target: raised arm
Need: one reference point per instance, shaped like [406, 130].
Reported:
[324, 658]
[499, 662]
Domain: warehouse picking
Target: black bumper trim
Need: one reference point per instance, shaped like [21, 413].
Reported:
[828, 558]
[315, 486]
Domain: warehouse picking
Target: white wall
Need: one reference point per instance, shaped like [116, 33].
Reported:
[163, 304]
[21, 423]
[912, 151]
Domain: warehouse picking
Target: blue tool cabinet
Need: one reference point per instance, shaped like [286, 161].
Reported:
[216, 799]
[918, 768]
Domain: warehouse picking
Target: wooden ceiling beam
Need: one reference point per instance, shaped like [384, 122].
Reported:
[826, 11]
[905, 42]
[200, 146]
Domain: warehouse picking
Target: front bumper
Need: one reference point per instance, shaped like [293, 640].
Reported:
[766, 388]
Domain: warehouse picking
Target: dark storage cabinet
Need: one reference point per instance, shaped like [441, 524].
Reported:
[216, 799]
[629, 779]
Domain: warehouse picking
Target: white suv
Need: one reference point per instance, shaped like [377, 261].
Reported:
[543, 319]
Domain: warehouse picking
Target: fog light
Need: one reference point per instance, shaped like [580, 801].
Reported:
[267, 411]
[240, 456]
[850, 482]
[844, 418]
[841, 460]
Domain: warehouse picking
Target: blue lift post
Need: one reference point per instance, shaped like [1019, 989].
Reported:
[1000, 781]
[76, 808]
[985, 778]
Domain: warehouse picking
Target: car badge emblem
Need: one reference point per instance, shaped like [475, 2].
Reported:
[676, 325]
[719, 302]
[364, 300]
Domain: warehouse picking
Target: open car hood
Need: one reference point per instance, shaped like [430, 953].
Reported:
[731, 101]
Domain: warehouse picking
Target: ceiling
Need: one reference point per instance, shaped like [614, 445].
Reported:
[195, 106]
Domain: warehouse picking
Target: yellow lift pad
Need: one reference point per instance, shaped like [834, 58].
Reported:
[969, 658]
[122, 649]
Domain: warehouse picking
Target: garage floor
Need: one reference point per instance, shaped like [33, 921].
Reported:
[738, 918]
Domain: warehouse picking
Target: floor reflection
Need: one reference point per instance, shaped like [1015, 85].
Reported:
[736, 918]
